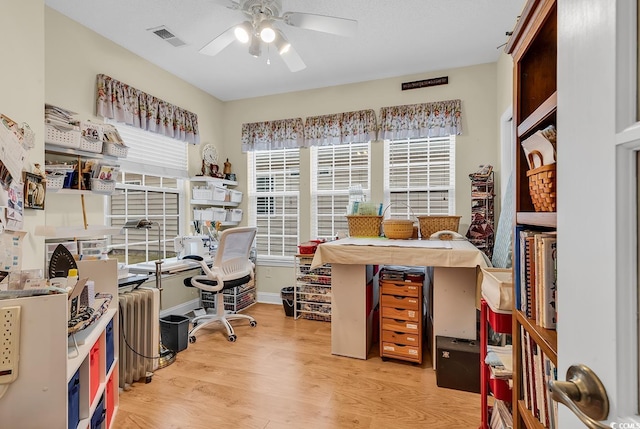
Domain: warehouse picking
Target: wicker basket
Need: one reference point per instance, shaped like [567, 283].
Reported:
[398, 228]
[364, 226]
[542, 185]
[433, 224]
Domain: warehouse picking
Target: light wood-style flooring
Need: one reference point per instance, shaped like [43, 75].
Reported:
[281, 374]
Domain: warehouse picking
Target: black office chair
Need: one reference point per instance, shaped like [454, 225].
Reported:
[231, 267]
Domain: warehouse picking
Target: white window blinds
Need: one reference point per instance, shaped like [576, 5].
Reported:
[152, 153]
[274, 184]
[420, 176]
[334, 170]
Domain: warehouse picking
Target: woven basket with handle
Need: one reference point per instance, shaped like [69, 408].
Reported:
[399, 229]
[542, 184]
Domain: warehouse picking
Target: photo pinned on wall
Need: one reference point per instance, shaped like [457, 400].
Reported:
[34, 191]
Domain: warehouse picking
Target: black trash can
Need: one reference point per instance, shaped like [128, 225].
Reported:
[287, 300]
[174, 330]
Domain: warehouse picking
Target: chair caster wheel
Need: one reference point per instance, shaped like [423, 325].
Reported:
[253, 323]
[232, 338]
[192, 339]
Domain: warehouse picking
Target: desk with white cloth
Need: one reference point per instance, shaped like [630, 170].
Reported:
[455, 284]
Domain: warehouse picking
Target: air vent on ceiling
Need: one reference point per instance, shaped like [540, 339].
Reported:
[166, 35]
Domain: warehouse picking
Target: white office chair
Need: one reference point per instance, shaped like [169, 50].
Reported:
[231, 267]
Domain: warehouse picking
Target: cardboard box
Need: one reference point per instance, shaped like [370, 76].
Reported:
[458, 364]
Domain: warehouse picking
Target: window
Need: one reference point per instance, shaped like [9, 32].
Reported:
[420, 176]
[334, 170]
[150, 186]
[274, 185]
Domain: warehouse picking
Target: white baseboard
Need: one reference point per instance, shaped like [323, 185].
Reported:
[269, 298]
[186, 307]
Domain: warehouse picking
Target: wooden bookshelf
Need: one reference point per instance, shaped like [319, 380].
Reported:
[533, 46]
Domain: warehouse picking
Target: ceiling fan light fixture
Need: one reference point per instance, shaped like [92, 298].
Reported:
[281, 42]
[255, 48]
[267, 33]
[243, 32]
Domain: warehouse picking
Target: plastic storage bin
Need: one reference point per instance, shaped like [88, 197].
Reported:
[74, 401]
[109, 353]
[98, 417]
[94, 370]
[219, 193]
[235, 196]
[175, 332]
[234, 215]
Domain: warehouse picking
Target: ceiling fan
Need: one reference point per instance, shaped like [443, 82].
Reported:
[261, 26]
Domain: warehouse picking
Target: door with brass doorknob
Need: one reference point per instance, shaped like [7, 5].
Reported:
[598, 123]
[584, 394]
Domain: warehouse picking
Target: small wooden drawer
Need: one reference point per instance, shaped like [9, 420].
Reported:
[400, 326]
[400, 313]
[401, 351]
[401, 338]
[403, 289]
[397, 301]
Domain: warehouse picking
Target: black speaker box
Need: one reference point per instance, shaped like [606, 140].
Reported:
[458, 364]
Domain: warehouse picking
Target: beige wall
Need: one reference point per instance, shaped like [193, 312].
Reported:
[22, 77]
[476, 86]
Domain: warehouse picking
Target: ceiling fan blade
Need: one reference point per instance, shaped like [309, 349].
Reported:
[229, 4]
[215, 46]
[326, 24]
[293, 60]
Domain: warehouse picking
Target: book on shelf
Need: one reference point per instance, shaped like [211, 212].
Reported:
[501, 417]
[537, 370]
[537, 280]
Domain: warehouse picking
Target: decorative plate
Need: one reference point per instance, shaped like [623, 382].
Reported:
[210, 154]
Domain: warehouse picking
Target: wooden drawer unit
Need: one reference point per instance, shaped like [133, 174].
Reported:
[401, 321]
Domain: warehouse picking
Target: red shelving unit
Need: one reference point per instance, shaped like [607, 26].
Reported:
[501, 323]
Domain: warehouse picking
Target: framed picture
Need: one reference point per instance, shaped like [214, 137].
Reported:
[34, 191]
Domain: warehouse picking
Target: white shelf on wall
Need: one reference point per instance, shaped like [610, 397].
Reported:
[48, 231]
[213, 180]
[214, 203]
[77, 152]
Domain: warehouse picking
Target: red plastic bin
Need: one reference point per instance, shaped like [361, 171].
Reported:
[94, 370]
[500, 389]
[110, 399]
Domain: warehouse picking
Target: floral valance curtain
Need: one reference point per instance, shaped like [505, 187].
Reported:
[339, 128]
[442, 118]
[123, 103]
[271, 135]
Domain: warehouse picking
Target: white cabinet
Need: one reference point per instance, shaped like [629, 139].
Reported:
[212, 199]
[58, 381]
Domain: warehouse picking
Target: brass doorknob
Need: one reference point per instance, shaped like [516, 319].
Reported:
[584, 394]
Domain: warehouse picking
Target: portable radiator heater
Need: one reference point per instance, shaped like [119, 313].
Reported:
[139, 334]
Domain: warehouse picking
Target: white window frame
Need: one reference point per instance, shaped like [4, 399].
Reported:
[290, 188]
[445, 183]
[342, 178]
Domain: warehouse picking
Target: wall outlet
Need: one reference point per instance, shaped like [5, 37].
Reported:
[9, 343]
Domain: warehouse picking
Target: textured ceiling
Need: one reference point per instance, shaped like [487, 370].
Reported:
[394, 38]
